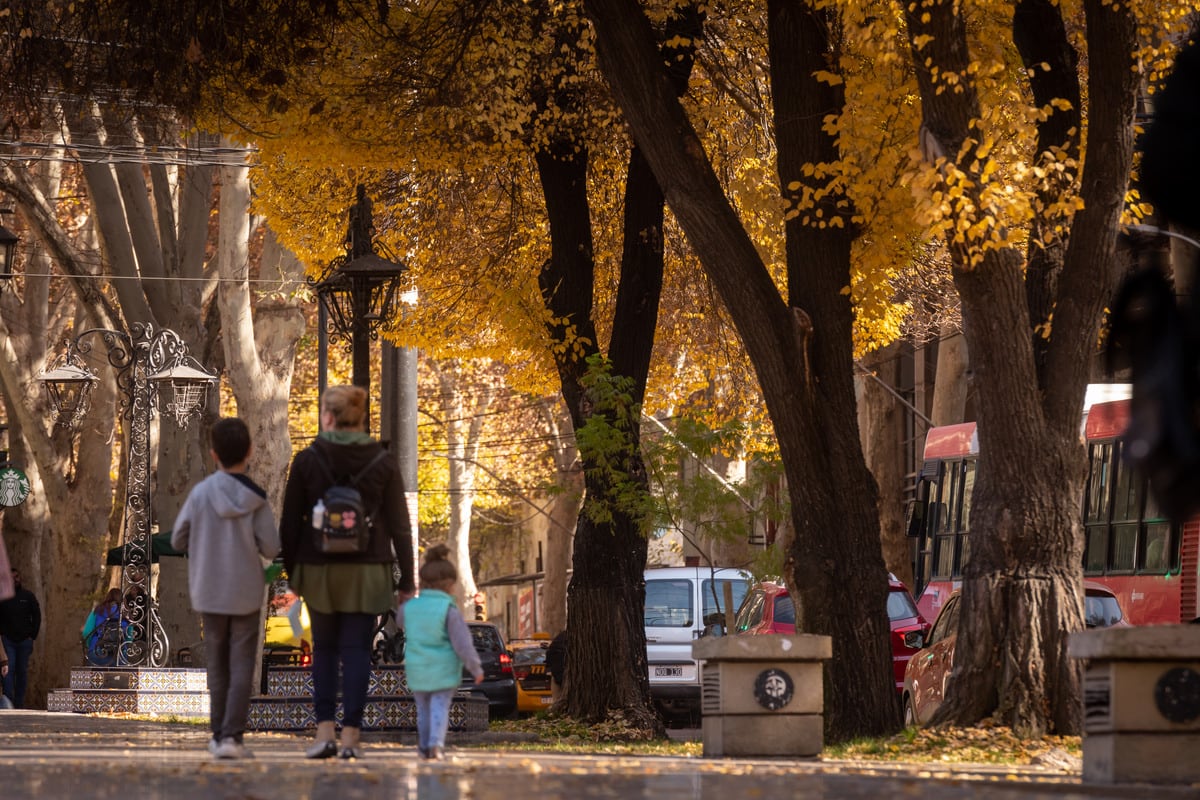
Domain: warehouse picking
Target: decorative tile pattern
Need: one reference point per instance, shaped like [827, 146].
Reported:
[147, 679]
[286, 707]
[96, 701]
[467, 713]
[60, 700]
[297, 682]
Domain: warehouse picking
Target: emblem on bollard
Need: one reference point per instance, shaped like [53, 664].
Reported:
[1177, 694]
[773, 689]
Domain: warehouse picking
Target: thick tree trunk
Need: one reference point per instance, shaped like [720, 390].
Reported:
[1022, 585]
[801, 356]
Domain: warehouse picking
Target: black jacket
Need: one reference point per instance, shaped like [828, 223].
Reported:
[20, 616]
[381, 488]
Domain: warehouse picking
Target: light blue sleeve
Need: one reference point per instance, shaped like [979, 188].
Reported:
[460, 640]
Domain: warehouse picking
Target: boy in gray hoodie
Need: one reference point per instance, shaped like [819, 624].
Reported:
[227, 528]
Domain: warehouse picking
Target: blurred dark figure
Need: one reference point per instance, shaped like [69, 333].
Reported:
[556, 664]
[1153, 333]
[20, 623]
[1170, 170]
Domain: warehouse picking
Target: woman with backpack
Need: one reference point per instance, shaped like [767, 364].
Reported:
[343, 528]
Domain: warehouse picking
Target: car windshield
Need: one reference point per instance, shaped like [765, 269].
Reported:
[486, 639]
[714, 594]
[900, 605]
[523, 656]
[1101, 611]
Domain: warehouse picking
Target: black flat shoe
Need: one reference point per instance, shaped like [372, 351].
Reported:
[322, 750]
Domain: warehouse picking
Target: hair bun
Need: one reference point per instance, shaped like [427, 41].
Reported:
[437, 552]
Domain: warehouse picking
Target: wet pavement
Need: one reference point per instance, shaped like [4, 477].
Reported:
[57, 755]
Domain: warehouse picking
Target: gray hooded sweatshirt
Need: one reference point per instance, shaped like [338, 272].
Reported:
[227, 528]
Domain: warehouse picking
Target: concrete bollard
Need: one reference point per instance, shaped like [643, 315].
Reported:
[1141, 703]
[762, 695]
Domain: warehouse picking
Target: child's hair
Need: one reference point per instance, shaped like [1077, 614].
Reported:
[111, 600]
[230, 441]
[438, 571]
[348, 404]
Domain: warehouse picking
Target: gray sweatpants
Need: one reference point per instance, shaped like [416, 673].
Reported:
[231, 643]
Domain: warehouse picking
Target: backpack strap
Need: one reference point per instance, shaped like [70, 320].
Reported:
[325, 467]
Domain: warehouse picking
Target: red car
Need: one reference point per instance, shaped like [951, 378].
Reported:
[768, 609]
[924, 687]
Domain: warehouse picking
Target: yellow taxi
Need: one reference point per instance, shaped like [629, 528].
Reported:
[529, 668]
[288, 640]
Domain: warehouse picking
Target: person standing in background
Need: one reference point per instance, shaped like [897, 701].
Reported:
[20, 624]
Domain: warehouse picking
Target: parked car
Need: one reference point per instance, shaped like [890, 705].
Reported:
[529, 669]
[683, 604]
[768, 608]
[928, 672]
[1101, 609]
[499, 686]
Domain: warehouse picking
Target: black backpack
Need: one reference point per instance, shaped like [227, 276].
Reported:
[341, 522]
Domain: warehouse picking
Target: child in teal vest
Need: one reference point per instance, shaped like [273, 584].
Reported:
[437, 645]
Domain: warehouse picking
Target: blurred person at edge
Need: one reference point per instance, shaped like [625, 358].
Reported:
[345, 593]
[20, 624]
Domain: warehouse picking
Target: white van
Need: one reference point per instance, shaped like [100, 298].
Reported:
[682, 604]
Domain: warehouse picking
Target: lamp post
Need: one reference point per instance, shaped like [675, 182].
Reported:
[151, 365]
[359, 291]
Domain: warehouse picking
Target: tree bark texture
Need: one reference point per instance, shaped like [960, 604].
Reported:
[1022, 592]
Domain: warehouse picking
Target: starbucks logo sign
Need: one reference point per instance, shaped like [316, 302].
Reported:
[14, 486]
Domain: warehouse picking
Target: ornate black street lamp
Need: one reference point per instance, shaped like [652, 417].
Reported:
[360, 290]
[152, 366]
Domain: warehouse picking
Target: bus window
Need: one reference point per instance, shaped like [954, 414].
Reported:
[953, 510]
[968, 490]
[1095, 517]
[1126, 509]
[1158, 547]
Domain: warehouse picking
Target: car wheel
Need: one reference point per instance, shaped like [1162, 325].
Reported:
[910, 713]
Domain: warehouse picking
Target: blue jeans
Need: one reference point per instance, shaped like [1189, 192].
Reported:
[433, 717]
[345, 639]
[18, 669]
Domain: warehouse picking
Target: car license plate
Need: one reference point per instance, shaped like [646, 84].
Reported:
[668, 672]
[545, 700]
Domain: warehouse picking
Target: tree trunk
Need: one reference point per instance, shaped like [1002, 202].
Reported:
[950, 389]
[880, 416]
[563, 516]
[1022, 592]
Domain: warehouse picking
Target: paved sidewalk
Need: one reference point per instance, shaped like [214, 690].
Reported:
[57, 755]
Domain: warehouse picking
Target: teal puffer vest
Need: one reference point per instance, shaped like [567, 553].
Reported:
[430, 663]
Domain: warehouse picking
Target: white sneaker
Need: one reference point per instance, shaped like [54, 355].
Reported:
[231, 748]
[213, 744]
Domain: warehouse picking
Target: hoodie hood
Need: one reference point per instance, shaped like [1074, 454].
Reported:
[232, 497]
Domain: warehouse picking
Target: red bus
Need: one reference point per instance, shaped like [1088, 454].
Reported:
[1149, 563]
